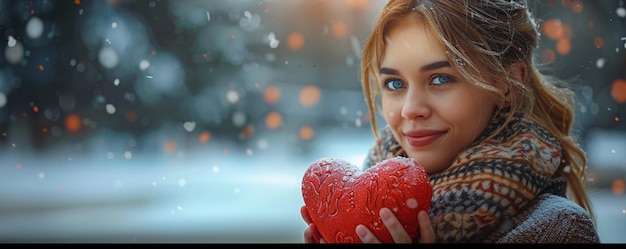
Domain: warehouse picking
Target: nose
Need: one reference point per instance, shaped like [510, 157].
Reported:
[416, 105]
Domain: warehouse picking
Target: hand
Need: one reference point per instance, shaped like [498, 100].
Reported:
[397, 231]
[311, 234]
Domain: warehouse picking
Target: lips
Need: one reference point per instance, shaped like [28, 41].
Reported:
[418, 138]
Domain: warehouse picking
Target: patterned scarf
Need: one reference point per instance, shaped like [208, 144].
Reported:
[476, 197]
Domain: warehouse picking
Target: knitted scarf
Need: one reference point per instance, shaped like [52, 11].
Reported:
[489, 182]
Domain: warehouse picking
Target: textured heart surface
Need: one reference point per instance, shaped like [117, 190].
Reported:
[339, 196]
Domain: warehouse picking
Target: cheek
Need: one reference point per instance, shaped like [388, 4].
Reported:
[472, 117]
[472, 105]
[391, 110]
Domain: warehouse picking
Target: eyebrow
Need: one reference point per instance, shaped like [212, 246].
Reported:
[429, 67]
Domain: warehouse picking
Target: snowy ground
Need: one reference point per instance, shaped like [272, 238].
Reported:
[212, 198]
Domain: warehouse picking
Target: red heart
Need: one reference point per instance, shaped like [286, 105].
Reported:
[339, 196]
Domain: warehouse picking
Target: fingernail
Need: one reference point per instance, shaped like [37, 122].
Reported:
[423, 215]
[385, 213]
[360, 230]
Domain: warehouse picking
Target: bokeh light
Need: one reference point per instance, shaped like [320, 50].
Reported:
[204, 137]
[339, 29]
[306, 133]
[618, 91]
[169, 146]
[357, 3]
[563, 46]
[618, 187]
[310, 96]
[273, 120]
[598, 42]
[73, 123]
[34, 27]
[247, 132]
[131, 116]
[271, 95]
[295, 41]
[577, 6]
[553, 28]
[99, 99]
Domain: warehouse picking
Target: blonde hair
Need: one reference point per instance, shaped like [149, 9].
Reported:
[482, 40]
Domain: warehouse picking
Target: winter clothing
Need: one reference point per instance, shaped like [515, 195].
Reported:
[502, 189]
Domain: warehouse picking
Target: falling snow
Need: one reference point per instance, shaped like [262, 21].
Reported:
[197, 118]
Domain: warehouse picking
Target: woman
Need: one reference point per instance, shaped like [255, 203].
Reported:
[460, 92]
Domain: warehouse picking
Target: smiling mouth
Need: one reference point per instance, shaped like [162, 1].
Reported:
[419, 141]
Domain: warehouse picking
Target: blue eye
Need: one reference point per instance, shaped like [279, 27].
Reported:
[441, 80]
[394, 84]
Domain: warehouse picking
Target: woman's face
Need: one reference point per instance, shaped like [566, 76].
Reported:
[432, 112]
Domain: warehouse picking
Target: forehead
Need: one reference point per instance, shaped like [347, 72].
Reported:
[411, 23]
[411, 35]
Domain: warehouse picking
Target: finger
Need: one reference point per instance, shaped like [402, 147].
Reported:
[395, 228]
[427, 233]
[311, 231]
[311, 235]
[365, 235]
[308, 235]
[305, 215]
[317, 236]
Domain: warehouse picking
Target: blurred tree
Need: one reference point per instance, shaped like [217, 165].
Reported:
[230, 52]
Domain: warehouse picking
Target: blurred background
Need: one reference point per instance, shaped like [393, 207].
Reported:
[194, 121]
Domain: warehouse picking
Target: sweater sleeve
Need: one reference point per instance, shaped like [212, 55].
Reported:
[552, 219]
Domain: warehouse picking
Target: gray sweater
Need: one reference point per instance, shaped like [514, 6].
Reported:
[550, 219]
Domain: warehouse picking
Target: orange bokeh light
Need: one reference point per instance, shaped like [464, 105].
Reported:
[131, 116]
[553, 28]
[567, 32]
[563, 46]
[169, 146]
[577, 6]
[306, 133]
[618, 91]
[204, 137]
[310, 96]
[618, 187]
[295, 41]
[339, 29]
[72, 123]
[273, 120]
[566, 3]
[598, 42]
[271, 95]
[356, 3]
[247, 131]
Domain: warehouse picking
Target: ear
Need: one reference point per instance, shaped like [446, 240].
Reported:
[517, 71]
